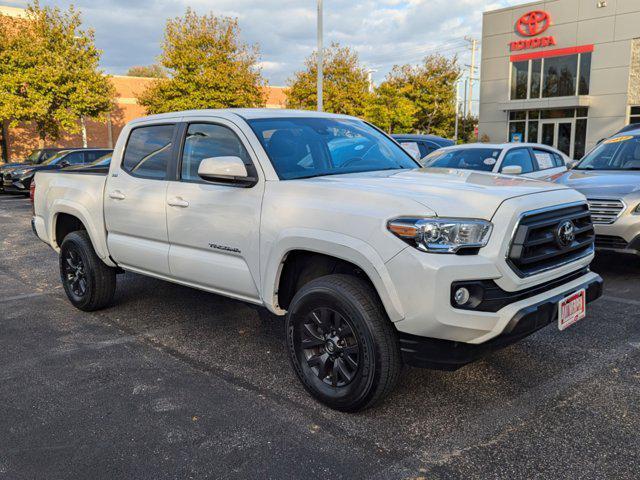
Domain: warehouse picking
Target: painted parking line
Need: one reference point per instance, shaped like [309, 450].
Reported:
[627, 301]
[21, 297]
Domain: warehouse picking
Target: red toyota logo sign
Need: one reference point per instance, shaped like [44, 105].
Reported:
[533, 23]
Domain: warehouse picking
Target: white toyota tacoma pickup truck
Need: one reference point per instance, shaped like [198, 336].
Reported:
[324, 219]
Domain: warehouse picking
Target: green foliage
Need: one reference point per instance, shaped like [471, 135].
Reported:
[49, 71]
[148, 71]
[208, 65]
[345, 85]
[391, 110]
[430, 88]
[466, 129]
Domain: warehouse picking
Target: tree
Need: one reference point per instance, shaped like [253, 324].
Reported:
[208, 66]
[49, 72]
[149, 71]
[430, 87]
[390, 110]
[346, 84]
[467, 129]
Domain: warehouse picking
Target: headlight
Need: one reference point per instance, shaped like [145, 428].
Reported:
[441, 235]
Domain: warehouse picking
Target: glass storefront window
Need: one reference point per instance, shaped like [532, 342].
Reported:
[635, 115]
[533, 131]
[519, 79]
[536, 77]
[558, 113]
[585, 74]
[562, 76]
[559, 76]
[580, 142]
[517, 127]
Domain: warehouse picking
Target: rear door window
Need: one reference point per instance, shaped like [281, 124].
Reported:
[545, 159]
[148, 151]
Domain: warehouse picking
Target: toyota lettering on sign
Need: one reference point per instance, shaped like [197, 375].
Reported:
[530, 25]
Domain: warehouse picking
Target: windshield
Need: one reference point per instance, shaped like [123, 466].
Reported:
[312, 147]
[482, 159]
[618, 153]
[33, 157]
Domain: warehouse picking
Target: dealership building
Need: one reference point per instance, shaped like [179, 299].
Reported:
[564, 73]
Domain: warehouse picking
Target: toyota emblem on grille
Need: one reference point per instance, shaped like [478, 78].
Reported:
[566, 233]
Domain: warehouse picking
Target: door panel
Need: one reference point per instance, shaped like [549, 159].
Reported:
[214, 229]
[135, 201]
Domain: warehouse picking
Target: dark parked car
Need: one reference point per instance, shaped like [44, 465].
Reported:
[18, 180]
[419, 146]
[35, 158]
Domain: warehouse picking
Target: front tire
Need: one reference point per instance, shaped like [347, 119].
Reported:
[88, 282]
[341, 344]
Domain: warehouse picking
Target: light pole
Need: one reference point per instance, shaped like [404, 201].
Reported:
[320, 57]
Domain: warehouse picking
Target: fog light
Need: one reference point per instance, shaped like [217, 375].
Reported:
[462, 296]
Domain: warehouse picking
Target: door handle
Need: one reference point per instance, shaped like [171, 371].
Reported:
[117, 195]
[178, 202]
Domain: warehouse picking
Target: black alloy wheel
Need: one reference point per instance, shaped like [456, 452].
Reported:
[329, 346]
[341, 344]
[74, 273]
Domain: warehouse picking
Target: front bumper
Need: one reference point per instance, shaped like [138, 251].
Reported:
[622, 236]
[450, 355]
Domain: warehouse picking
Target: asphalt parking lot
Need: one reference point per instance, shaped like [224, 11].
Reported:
[171, 382]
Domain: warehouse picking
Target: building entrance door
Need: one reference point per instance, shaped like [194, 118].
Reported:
[558, 134]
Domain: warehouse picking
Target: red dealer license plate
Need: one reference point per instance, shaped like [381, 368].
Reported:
[572, 308]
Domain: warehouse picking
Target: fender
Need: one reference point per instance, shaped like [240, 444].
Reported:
[333, 244]
[96, 232]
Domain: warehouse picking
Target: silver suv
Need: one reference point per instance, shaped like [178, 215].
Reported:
[609, 176]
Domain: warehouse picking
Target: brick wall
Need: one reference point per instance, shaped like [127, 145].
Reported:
[23, 139]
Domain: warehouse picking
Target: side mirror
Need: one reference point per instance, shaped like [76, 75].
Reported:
[64, 164]
[225, 170]
[511, 170]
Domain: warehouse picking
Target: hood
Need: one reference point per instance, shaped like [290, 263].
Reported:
[447, 192]
[603, 183]
[12, 166]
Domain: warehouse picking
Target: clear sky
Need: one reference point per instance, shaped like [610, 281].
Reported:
[383, 32]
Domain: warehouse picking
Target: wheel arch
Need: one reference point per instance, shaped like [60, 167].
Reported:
[65, 216]
[345, 250]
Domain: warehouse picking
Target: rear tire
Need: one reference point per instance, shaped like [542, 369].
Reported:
[88, 282]
[341, 344]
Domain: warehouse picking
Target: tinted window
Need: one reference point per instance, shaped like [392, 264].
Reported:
[585, 74]
[93, 155]
[482, 159]
[311, 147]
[74, 158]
[519, 157]
[207, 141]
[148, 151]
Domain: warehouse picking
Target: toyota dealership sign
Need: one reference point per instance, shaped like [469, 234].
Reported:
[530, 27]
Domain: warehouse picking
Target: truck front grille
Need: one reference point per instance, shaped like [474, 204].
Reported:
[549, 238]
[605, 212]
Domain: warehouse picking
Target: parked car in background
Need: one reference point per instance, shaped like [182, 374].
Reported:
[35, 158]
[419, 146]
[374, 261]
[609, 176]
[18, 179]
[531, 160]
